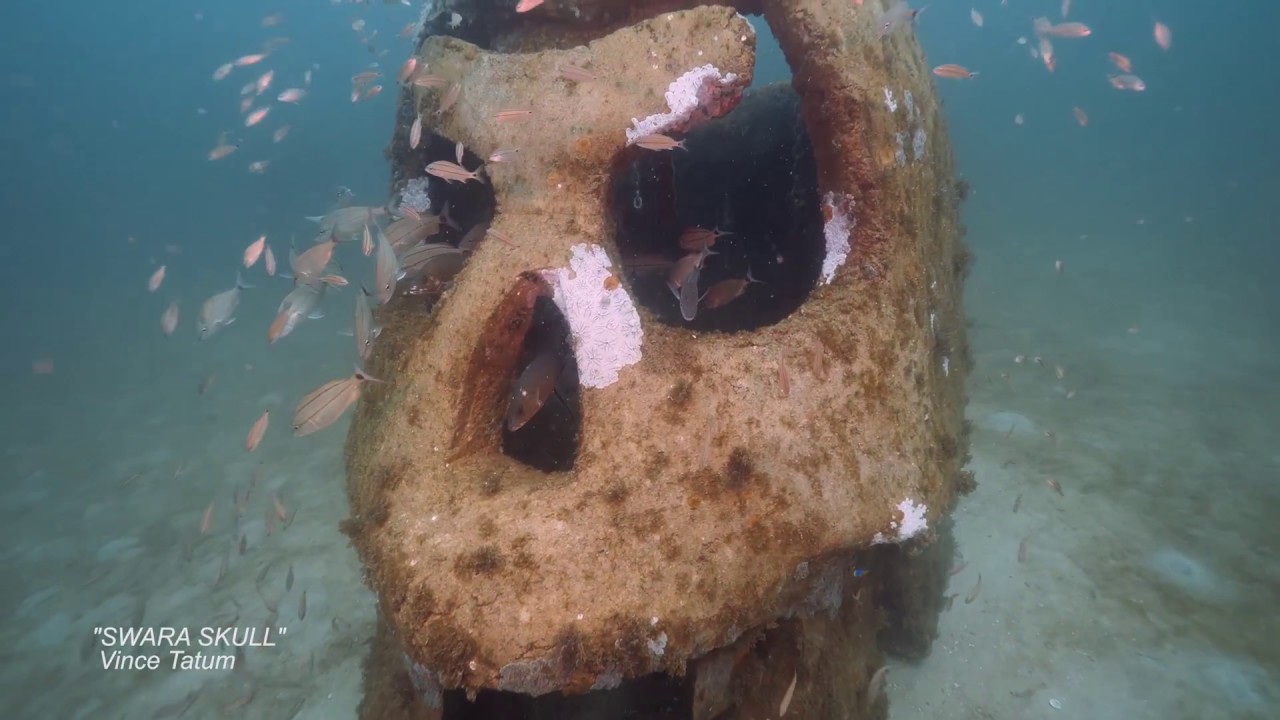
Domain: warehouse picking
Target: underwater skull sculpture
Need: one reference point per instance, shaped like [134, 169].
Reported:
[723, 483]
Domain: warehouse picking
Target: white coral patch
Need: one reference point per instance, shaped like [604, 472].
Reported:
[604, 323]
[889, 102]
[837, 232]
[414, 195]
[682, 97]
[917, 144]
[913, 523]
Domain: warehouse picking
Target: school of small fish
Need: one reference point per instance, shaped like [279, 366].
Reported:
[399, 240]
[901, 14]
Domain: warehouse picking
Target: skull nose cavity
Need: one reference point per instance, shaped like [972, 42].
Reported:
[462, 211]
[543, 407]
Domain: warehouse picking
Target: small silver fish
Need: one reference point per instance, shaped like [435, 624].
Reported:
[438, 261]
[365, 331]
[659, 142]
[302, 302]
[685, 265]
[408, 232]
[169, 320]
[453, 172]
[344, 222]
[688, 295]
[415, 133]
[386, 271]
[321, 407]
[897, 16]
[219, 310]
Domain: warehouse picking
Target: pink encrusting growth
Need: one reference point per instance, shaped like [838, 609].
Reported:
[699, 95]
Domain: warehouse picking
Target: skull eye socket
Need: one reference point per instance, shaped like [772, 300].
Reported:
[461, 210]
[749, 179]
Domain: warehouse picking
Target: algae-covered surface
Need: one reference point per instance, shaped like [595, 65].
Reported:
[718, 463]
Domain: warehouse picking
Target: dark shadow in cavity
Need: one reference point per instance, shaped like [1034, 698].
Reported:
[460, 205]
[653, 697]
[752, 173]
[549, 440]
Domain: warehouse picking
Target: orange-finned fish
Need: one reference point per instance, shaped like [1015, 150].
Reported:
[453, 172]
[726, 291]
[169, 320]
[450, 98]
[504, 116]
[659, 142]
[1121, 62]
[503, 155]
[1163, 35]
[157, 277]
[223, 148]
[250, 60]
[1046, 54]
[423, 80]
[415, 135]
[575, 73]
[206, 521]
[957, 72]
[270, 261]
[291, 95]
[1069, 30]
[407, 70]
[1127, 82]
[256, 116]
[694, 239]
[527, 5]
[534, 386]
[264, 82]
[312, 263]
[257, 431]
[254, 251]
[1083, 119]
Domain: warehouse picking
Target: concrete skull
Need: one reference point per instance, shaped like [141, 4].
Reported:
[715, 493]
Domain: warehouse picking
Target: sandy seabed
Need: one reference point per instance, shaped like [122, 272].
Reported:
[1147, 589]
